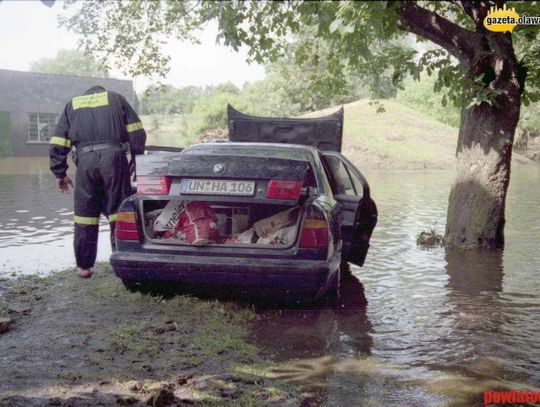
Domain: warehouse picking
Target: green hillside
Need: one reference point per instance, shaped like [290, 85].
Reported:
[398, 138]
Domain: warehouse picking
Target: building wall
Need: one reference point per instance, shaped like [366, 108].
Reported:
[22, 93]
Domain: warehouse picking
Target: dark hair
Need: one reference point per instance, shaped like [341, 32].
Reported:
[96, 88]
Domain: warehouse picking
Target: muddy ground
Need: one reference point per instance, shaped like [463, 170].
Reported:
[91, 342]
[74, 342]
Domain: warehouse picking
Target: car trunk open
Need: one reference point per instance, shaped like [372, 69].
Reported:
[220, 199]
[224, 224]
[324, 133]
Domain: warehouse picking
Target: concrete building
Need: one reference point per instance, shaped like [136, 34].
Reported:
[30, 104]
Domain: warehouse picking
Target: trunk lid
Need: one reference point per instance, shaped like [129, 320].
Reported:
[221, 166]
[324, 133]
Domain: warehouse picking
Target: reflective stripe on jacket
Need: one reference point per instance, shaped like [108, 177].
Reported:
[98, 116]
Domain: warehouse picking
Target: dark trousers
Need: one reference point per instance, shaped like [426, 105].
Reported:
[102, 182]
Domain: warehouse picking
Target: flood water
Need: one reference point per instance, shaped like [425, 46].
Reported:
[440, 326]
[36, 220]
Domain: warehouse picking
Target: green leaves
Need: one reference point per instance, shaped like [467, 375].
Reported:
[336, 24]
[328, 40]
[339, 26]
[130, 35]
[476, 92]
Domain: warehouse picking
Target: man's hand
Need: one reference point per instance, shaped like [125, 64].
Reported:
[64, 184]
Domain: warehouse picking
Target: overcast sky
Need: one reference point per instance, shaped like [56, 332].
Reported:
[29, 31]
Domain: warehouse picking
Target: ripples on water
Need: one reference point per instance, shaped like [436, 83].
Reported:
[447, 324]
[36, 220]
[440, 326]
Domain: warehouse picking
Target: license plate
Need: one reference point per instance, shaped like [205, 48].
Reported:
[217, 187]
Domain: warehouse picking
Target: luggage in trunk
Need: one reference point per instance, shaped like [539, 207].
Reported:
[211, 223]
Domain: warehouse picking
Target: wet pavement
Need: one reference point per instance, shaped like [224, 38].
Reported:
[416, 326]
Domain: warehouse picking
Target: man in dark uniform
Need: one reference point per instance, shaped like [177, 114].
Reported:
[96, 124]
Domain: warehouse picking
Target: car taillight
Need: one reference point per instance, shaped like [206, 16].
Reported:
[314, 234]
[283, 189]
[126, 226]
[153, 185]
[314, 231]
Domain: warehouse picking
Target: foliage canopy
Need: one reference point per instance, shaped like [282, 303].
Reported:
[334, 37]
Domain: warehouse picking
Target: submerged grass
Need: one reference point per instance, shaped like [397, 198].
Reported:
[71, 336]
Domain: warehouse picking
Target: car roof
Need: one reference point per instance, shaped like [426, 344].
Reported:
[248, 145]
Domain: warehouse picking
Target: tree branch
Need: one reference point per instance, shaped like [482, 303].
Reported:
[457, 40]
[477, 11]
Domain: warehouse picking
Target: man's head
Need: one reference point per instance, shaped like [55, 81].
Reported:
[95, 89]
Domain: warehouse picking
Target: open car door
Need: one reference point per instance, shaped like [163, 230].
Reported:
[325, 132]
[359, 212]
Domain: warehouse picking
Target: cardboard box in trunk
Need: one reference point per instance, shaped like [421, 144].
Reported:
[272, 224]
[231, 221]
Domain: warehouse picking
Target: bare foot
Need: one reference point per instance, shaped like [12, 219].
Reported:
[84, 273]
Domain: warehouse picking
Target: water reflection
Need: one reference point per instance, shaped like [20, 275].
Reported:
[493, 334]
[441, 325]
[313, 331]
[474, 273]
[36, 221]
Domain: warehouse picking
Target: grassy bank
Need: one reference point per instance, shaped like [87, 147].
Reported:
[90, 341]
[400, 138]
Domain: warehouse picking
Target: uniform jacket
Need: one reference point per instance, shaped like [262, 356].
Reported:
[98, 116]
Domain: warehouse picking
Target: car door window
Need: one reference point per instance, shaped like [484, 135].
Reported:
[343, 182]
[357, 183]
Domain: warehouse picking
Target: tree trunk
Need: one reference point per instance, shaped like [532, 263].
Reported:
[484, 151]
[477, 199]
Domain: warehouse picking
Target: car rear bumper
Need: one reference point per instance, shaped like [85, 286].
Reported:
[308, 278]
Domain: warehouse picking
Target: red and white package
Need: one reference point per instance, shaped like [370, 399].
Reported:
[168, 218]
[196, 210]
[196, 224]
[200, 232]
[272, 224]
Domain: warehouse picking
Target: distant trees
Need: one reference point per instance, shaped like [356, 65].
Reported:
[167, 99]
[70, 62]
[209, 111]
[292, 86]
[420, 95]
